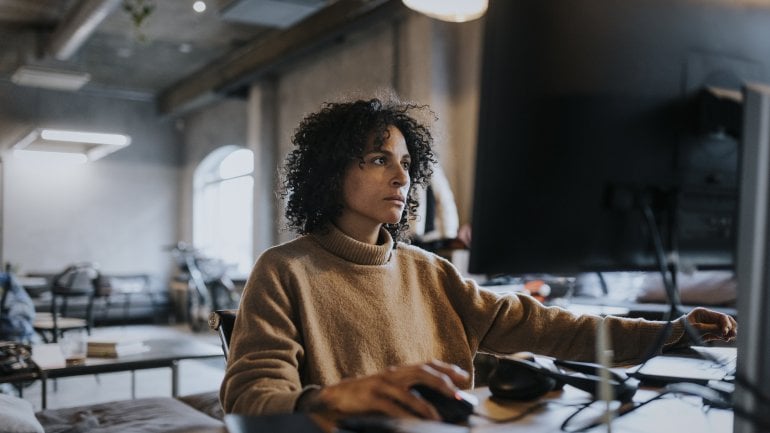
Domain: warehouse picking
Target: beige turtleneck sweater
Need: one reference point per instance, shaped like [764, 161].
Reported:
[325, 307]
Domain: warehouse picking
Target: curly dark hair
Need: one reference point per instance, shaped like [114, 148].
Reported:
[327, 140]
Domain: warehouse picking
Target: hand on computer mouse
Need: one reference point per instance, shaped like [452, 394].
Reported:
[713, 325]
[389, 393]
[455, 409]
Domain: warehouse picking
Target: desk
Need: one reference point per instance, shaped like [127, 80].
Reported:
[673, 414]
[670, 414]
[161, 353]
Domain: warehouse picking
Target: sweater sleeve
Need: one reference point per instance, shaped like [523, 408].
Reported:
[506, 324]
[262, 375]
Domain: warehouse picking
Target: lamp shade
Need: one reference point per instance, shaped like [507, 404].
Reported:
[456, 11]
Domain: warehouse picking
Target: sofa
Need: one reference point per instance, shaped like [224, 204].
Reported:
[197, 413]
[120, 299]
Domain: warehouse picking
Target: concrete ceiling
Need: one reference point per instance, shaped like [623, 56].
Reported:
[177, 57]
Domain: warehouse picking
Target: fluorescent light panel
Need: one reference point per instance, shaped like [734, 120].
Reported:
[93, 145]
[49, 78]
[50, 157]
[85, 137]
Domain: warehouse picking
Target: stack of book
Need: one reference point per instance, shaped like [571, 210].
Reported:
[115, 348]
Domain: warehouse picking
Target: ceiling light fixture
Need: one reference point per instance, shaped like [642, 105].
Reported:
[91, 145]
[50, 78]
[199, 6]
[50, 157]
[456, 11]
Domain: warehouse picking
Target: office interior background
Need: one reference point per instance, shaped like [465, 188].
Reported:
[189, 88]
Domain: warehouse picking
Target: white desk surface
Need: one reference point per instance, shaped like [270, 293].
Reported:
[674, 414]
[671, 413]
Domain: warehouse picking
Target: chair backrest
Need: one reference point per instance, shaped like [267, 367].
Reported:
[222, 321]
[79, 279]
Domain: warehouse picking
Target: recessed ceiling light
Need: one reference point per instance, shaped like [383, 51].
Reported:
[199, 6]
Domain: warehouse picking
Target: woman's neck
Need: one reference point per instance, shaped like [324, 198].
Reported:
[366, 233]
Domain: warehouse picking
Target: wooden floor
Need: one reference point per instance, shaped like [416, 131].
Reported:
[194, 375]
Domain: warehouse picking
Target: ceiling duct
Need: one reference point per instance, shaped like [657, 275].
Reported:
[272, 13]
[78, 26]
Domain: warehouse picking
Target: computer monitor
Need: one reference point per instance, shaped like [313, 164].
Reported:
[752, 398]
[594, 135]
[589, 112]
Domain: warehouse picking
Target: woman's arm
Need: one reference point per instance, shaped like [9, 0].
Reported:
[265, 355]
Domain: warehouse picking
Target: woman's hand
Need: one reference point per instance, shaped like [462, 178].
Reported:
[712, 325]
[388, 393]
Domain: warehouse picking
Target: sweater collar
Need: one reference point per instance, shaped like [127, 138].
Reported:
[361, 253]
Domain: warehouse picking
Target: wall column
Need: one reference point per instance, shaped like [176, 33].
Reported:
[262, 140]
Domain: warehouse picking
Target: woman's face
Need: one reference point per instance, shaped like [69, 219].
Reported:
[374, 190]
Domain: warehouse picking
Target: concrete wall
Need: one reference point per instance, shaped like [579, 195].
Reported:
[119, 211]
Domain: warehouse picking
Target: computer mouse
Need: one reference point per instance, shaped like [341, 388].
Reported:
[452, 410]
[520, 379]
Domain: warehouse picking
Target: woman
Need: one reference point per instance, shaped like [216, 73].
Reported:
[346, 318]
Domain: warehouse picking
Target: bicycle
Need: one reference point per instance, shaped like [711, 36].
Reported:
[209, 286]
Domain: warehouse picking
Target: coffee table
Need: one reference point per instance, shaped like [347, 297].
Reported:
[163, 352]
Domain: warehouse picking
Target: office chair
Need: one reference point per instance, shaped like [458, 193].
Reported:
[222, 322]
[76, 281]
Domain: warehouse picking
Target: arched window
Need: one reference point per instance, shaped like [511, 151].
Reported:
[223, 207]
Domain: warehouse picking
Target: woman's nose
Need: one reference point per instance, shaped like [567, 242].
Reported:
[401, 177]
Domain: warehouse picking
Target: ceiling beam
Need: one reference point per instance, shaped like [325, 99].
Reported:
[247, 64]
[78, 26]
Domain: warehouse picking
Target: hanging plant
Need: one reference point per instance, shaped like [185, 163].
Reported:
[139, 11]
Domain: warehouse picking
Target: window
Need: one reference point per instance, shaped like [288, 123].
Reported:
[223, 207]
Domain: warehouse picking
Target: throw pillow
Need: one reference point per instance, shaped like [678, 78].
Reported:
[18, 416]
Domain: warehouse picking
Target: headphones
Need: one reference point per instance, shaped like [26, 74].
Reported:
[521, 377]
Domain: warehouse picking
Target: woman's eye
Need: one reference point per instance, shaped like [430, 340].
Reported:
[407, 165]
[380, 160]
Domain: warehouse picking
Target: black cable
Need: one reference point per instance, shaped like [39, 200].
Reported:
[603, 283]
[624, 409]
[660, 257]
[669, 281]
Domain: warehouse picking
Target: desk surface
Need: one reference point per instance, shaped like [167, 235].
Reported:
[671, 413]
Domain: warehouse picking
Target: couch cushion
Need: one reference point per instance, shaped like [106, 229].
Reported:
[145, 415]
[17, 416]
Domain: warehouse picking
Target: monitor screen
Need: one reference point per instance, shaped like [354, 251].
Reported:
[751, 401]
[590, 113]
